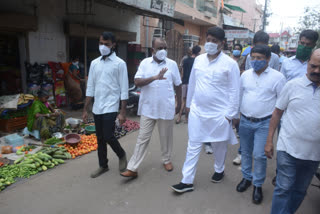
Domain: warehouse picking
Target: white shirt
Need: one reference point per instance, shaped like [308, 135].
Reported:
[273, 63]
[300, 128]
[157, 99]
[213, 96]
[107, 83]
[292, 68]
[259, 93]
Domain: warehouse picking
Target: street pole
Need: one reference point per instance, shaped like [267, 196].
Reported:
[254, 26]
[264, 15]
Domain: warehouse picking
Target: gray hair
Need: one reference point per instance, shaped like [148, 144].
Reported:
[157, 38]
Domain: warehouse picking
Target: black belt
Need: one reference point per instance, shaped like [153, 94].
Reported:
[255, 120]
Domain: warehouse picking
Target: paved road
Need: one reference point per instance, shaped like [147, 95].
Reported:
[68, 189]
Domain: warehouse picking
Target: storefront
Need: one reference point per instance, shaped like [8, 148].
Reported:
[13, 52]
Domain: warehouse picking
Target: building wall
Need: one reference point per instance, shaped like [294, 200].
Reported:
[48, 43]
[253, 15]
[147, 26]
[191, 28]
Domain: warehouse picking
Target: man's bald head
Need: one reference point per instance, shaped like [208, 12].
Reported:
[156, 40]
[313, 70]
[316, 52]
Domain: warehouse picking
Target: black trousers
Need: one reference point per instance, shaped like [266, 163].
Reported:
[105, 126]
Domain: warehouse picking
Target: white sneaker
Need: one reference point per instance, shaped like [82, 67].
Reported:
[237, 160]
[208, 149]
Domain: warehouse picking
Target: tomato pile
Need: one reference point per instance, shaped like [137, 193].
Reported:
[130, 125]
[87, 144]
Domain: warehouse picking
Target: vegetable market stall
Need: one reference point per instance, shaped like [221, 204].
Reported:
[33, 157]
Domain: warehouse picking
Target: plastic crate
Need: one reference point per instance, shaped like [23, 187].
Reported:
[14, 140]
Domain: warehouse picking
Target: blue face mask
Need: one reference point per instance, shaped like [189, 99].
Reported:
[236, 52]
[258, 64]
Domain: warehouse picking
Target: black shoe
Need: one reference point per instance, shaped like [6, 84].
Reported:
[257, 195]
[217, 177]
[181, 187]
[243, 185]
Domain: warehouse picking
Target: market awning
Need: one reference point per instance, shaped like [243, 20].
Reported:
[235, 8]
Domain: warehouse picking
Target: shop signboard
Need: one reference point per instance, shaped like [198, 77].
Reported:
[238, 34]
[163, 7]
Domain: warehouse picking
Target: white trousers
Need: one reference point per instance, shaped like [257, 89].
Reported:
[165, 128]
[193, 153]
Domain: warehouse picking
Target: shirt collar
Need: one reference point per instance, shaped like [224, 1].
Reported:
[267, 70]
[295, 58]
[112, 57]
[306, 81]
[220, 54]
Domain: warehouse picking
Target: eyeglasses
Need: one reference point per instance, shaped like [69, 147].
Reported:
[162, 48]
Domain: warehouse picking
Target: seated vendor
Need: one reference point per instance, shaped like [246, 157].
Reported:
[44, 118]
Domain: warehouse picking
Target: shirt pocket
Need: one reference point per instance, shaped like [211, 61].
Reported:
[219, 77]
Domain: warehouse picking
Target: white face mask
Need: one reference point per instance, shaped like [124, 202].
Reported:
[161, 54]
[211, 48]
[104, 50]
[76, 64]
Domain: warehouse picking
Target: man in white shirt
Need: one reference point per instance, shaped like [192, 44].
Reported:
[157, 76]
[107, 84]
[259, 89]
[298, 147]
[296, 66]
[213, 101]
[262, 38]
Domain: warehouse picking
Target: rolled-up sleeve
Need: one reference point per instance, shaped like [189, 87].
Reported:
[90, 84]
[234, 91]
[123, 81]
[283, 99]
[140, 73]
[280, 84]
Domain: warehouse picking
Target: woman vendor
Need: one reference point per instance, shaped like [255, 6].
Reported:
[43, 117]
[72, 83]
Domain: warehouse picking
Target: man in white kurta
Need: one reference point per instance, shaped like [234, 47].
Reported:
[213, 100]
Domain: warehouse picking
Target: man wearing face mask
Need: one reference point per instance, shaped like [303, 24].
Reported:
[262, 38]
[259, 89]
[213, 101]
[156, 76]
[108, 84]
[296, 66]
[236, 55]
[298, 147]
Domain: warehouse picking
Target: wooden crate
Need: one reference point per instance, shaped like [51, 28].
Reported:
[11, 125]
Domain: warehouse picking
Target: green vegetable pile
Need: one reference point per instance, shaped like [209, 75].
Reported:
[31, 164]
[52, 141]
[56, 152]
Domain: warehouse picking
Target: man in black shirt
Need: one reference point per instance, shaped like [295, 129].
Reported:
[186, 70]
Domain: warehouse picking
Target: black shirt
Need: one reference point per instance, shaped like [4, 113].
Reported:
[187, 66]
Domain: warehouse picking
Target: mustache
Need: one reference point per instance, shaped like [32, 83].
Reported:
[315, 74]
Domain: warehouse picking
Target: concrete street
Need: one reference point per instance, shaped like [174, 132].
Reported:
[68, 188]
